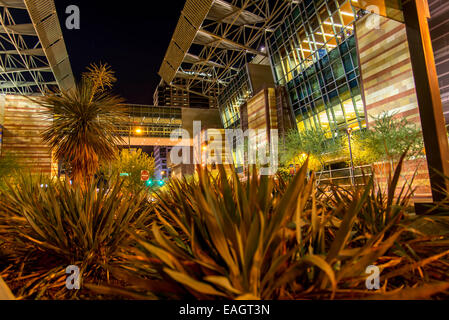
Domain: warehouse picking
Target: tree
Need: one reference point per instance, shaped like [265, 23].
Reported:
[131, 163]
[387, 140]
[313, 143]
[101, 77]
[84, 124]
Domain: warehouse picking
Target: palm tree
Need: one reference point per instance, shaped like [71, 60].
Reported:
[83, 129]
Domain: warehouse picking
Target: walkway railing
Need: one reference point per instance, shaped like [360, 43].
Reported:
[346, 176]
[151, 121]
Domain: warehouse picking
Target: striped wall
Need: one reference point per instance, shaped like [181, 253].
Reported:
[22, 126]
[413, 170]
[2, 119]
[439, 32]
[388, 85]
[214, 151]
[262, 112]
[386, 69]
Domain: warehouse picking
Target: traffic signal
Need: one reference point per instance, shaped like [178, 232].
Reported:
[152, 183]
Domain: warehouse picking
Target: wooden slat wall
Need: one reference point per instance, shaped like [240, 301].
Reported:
[389, 85]
[22, 126]
[386, 69]
[258, 112]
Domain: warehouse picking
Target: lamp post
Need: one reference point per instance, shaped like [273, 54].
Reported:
[129, 137]
[349, 132]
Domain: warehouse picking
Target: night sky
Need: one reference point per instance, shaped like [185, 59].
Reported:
[131, 36]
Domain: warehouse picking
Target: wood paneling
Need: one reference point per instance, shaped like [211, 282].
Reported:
[22, 125]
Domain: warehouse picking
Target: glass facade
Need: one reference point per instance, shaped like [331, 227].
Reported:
[314, 54]
[233, 97]
[151, 121]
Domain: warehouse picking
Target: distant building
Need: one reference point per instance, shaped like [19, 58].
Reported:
[178, 96]
[161, 169]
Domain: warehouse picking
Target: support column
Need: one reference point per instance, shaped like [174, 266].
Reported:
[416, 13]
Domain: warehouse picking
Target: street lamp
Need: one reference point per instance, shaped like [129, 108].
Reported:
[349, 132]
[137, 131]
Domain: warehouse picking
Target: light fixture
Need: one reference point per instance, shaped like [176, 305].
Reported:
[347, 14]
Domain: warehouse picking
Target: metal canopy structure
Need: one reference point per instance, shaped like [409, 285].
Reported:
[33, 55]
[214, 39]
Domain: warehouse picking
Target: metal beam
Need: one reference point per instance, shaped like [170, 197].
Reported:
[14, 4]
[10, 84]
[25, 29]
[27, 52]
[203, 36]
[18, 70]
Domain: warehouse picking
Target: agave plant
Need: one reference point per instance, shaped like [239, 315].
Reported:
[222, 238]
[46, 226]
[219, 238]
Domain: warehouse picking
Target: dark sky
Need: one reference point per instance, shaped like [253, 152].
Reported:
[131, 36]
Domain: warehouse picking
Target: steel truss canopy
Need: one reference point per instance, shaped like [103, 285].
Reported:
[214, 39]
[33, 55]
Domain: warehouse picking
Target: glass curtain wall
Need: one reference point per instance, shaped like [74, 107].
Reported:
[314, 55]
[233, 97]
[151, 121]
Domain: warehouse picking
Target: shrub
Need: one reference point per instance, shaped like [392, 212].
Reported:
[46, 226]
[131, 163]
[222, 238]
[9, 166]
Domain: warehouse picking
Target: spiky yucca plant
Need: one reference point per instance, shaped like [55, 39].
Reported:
[220, 238]
[101, 76]
[83, 129]
[46, 226]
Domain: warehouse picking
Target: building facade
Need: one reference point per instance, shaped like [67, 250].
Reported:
[161, 169]
[439, 26]
[335, 64]
[22, 123]
[178, 96]
[314, 54]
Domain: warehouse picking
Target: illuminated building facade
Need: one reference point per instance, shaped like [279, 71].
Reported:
[177, 96]
[34, 61]
[334, 64]
[439, 26]
[314, 54]
[161, 169]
